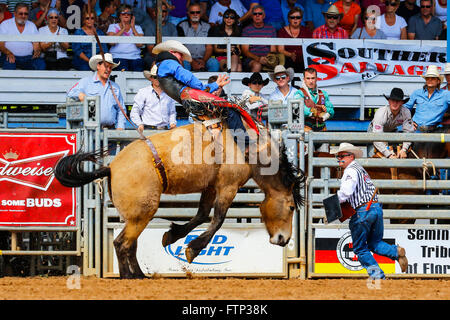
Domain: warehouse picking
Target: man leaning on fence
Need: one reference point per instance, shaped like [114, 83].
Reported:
[366, 225]
[388, 119]
[431, 102]
[99, 85]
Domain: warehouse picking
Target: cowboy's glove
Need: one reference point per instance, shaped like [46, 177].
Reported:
[325, 116]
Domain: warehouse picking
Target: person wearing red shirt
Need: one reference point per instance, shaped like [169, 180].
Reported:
[4, 13]
[331, 30]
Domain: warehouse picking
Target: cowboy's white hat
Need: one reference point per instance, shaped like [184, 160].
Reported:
[332, 10]
[433, 72]
[94, 60]
[173, 45]
[281, 69]
[447, 69]
[150, 73]
[348, 147]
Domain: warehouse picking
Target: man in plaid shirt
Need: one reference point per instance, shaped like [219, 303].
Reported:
[331, 30]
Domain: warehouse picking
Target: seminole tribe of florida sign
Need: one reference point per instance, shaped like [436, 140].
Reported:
[29, 193]
[346, 61]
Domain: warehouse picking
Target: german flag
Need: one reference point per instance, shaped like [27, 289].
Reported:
[326, 258]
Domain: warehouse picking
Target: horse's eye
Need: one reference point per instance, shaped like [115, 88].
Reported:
[292, 208]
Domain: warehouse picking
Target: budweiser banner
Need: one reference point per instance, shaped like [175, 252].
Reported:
[29, 193]
[345, 61]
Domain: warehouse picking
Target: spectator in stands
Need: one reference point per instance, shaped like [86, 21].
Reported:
[219, 8]
[378, 6]
[440, 11]
[273, 12]
[288, 5]
[255, 56]
[82, 51]
[20, 55]
[54, 53]
[369, 31]
[446, 74]
[179, 13]
[313, 13]
[255, 100]
[4, 12]
[72, 11]
[282, 78]
[100, 85]
[387, 119]
[151, 8]
[128, 54]
[294, 54]
[153, 108]
[201, 54]
[351, 12]
[393, 26]
[424, 26]
[318, 107]
[39, 14]
[138, 9]
[431, 102]
[229, 27]
[168, 30]
[407, 9]
[106, 18]
[331, 29]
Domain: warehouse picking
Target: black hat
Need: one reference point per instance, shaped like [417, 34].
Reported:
[397, 94]
[255, 77]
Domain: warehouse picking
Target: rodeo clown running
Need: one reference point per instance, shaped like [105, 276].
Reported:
[366, 225]
[182, 86]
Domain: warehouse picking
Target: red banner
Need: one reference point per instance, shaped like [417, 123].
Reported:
[29, 193]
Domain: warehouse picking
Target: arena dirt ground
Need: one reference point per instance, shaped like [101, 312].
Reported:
[92, 288]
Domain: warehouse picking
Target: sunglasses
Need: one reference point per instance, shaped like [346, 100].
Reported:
[89, 18]
[22, 13]
[428, 7]
[126, 13]
[229, 16]
[340, 156]
[295, 17]
[335, 17]
[257, 82]
[53, 17]
[257, 13]
[370, 18]
[392, 4]
[194, 12]
[280, 77]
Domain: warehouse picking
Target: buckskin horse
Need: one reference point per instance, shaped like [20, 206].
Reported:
[135, 185]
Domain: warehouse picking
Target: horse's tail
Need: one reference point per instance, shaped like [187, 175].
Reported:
[69, 171]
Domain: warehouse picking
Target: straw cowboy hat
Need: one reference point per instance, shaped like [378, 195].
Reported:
[152, 72]
[348, 147]
[281, 69]
[447, 69]
[94, 60]
[433, 72]
[256, 76]
[173, 45]
[332, 10]
[397, 94]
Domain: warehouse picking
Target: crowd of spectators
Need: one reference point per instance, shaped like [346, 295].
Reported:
[341, 19]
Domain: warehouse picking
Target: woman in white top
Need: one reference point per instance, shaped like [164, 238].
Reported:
[54, 53]
[128, 54]
[392, 25]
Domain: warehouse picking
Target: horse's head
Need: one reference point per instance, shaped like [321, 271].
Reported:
[283, 196]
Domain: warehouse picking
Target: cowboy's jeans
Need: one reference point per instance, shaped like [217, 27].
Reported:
[367, 230]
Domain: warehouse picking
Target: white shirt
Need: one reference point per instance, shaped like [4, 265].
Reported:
[152, 110]
[18, 49]
[255, 105]
[125, 50]
[277, 95]
[392, 32]
[217, 10]
[62, 31]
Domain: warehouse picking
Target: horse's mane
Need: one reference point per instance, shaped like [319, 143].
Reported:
[291, 175]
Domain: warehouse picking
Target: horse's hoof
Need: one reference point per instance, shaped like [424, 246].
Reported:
[167, 239]
[190, 254]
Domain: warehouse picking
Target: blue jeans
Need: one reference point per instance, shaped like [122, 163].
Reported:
[212, 65]
[367, 230]
[130, 64]
[25, 63]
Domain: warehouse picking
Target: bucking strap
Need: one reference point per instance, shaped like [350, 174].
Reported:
[158, 165]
